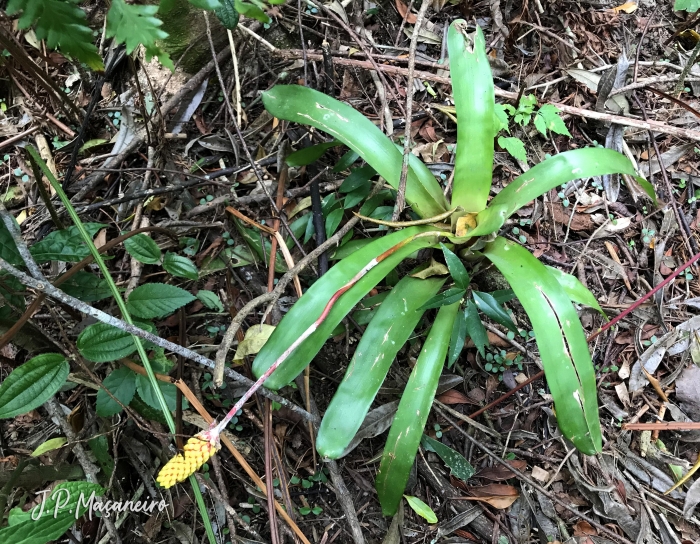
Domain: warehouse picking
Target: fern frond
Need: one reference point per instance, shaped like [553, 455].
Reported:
[135, 25]
[62, 24]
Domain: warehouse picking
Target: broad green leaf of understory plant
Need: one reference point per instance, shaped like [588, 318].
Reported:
[180, 266]
[514, 146]
[8, 249]
[547, 118]
[210, 300]
[62, 508]
[414, 407]
[227, 14]
[122, 384]
[101, 343]
[691, 6]
[143, 248]
[154, 300]
[147, 394]
[30, 385]
[64, 245]
[309, 107]
[459, 466]
[62, 24]
[560, 339]
[307, 155]
[309, 307]
[457, 339]
[253, 9]
[472, 88]
[86, 287]
[386, 334]
[136, 25]
[447, 297]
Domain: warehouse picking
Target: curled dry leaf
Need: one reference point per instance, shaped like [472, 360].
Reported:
[499, 473]
[403, 9]
[627, 7]
[456, 397]
[499, 496]
[583, 528]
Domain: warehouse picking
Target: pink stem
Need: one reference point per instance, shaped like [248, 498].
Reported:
[646, 297]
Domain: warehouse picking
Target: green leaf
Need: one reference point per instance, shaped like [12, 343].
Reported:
[459, 466]
[308, 155]
[475, 328]
[501, 119]
[155, 300]
[575, 290]
[180, 267]
[50, 445]
[253, 239]
[388, 331]
[11, 291]
[62, 507]
[227, 14]
[100, 449]
[691, 6]
[472, 88]
[358, 195]
[143, 248]
[457, 270]
[8, 249]
[248, 9]
[514, 146]
[457, 339]
[309, 307]
[148, 394]
[64, 245]
[359, 177]
[449, 296]
[414, 407]
[206, 4]
[503, 295]
[86, 287]
[62, 24]
[487, 304]
[547, 118]
[122, 384]
[210, 300]
[309, 107]
[422, 509]
[30, 385]
[333, 221]
[558, 170]
[101, 343]
[346, 161]
[560, 339]
[134, 25]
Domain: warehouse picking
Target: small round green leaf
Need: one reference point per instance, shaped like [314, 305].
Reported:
[31, 384]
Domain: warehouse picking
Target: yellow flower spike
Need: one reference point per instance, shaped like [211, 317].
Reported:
[198, 450]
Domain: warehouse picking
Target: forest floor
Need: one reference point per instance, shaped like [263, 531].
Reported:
[153, 137]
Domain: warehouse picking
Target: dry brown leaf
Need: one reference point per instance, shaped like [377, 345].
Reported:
[627, 7]
[583, 528]
[562, 215]
[499, 472]
[402, 9]
[455, 397]
[497, 495]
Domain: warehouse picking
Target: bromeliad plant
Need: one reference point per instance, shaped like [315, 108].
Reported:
[546, 294]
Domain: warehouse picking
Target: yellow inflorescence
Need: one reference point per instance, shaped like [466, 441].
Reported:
[197, 451]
